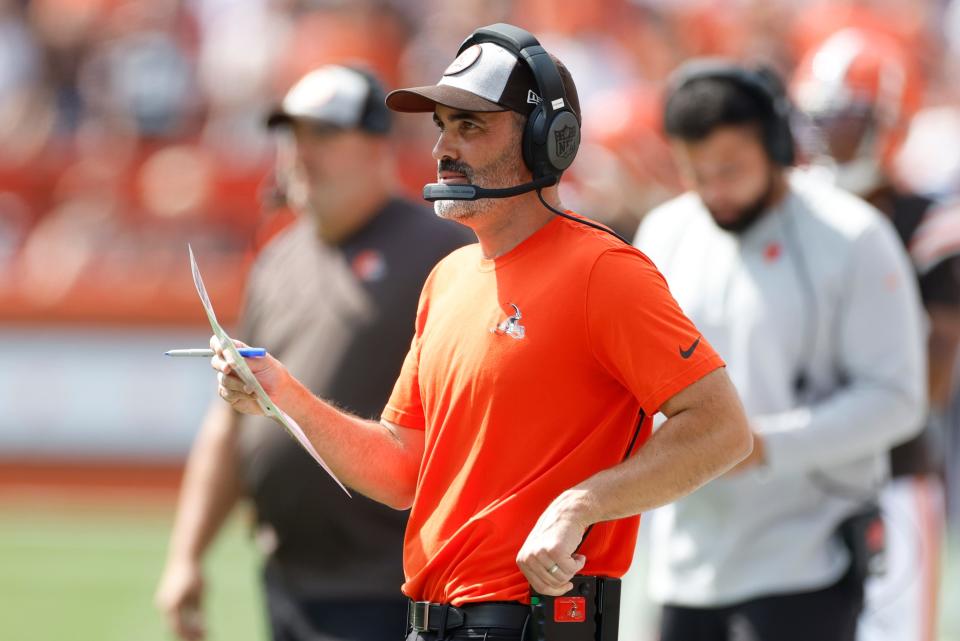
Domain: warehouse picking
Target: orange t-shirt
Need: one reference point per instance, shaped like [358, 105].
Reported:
[517, 411]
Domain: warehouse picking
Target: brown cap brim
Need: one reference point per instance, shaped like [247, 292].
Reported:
[421, 99]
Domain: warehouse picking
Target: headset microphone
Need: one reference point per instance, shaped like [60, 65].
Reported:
[441, 191]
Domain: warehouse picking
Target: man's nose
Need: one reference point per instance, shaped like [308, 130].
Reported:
[444, 148]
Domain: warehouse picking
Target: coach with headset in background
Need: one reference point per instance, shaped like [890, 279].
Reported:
[807, 293]
[333, 295]
[519, 427]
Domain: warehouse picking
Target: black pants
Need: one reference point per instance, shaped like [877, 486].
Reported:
[296, 619]
[822, 615]
[469, 634]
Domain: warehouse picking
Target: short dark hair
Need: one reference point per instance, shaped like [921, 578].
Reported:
[698, 107]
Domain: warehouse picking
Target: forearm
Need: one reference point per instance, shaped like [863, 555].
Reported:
[378, 459]
[210, 487]
[856, 422]
[705, 434]
[680, 457]
[876, 344]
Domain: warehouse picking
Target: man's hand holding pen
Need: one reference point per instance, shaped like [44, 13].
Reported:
[270, 373]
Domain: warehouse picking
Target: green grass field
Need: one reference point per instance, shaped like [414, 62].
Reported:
[72, 572]
[86, 572]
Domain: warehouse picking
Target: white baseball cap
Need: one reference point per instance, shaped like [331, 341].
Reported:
[484, 77]
[335, 96]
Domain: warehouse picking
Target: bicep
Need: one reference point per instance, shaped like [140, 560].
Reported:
[713, 393]
[706, 431]
[411, 440]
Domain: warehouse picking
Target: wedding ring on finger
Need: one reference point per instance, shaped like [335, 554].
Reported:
[554, 568]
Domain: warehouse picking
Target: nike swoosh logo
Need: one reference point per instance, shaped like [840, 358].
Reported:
[687, 353]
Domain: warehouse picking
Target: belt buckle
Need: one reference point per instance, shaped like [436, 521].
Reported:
[425, 626]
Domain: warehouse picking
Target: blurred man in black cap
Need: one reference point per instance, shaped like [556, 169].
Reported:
[334, 296]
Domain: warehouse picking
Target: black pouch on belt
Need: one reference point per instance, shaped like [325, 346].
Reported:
[588, 612]
[864, 536]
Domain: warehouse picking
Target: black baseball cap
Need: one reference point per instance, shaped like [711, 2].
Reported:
[335, 96]
[485, 77]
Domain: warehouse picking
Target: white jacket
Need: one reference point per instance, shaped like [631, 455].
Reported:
[819, 288]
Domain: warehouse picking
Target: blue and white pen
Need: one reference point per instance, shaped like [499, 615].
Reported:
[246, 352]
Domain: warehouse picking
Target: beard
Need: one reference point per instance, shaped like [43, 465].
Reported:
[748, 215]
[504, 171]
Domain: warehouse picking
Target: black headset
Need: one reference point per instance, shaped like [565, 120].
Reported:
[552, 134]
[761, 84]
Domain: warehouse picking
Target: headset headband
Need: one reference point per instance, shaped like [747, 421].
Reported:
[526, 47]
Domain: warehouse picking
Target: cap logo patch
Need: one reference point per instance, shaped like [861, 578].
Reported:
[533, 98]
[464, 60]
[557, 104]
[565, 140]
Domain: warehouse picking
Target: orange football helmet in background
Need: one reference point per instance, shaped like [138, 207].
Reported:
[856, 91]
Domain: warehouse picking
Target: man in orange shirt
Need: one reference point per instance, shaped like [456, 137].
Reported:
[539, 358]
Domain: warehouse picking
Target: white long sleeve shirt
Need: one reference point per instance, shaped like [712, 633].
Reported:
[819, 288]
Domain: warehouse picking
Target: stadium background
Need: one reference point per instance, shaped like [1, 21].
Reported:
[130, 127]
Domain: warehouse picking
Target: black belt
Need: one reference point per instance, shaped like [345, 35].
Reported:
[423, 616]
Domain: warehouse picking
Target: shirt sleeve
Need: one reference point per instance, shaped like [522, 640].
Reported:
[405, 406]
[880, 353]
[638, 332]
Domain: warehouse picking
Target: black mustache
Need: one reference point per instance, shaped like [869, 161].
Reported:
[455, 166]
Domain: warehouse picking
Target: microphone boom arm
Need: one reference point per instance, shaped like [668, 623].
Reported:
[440, 191]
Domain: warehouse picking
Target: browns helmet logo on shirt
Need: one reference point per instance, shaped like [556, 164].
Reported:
[511, 326]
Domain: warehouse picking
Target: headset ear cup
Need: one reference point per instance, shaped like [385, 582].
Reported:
[533, 155]
[778, 138]
[778, 132]
[549, 148]
[785, 144]
[563, 140]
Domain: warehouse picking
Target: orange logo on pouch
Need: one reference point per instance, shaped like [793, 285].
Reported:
[464, 60]
[570, 609]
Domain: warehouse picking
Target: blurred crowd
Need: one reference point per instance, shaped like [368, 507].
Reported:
[131, 127]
